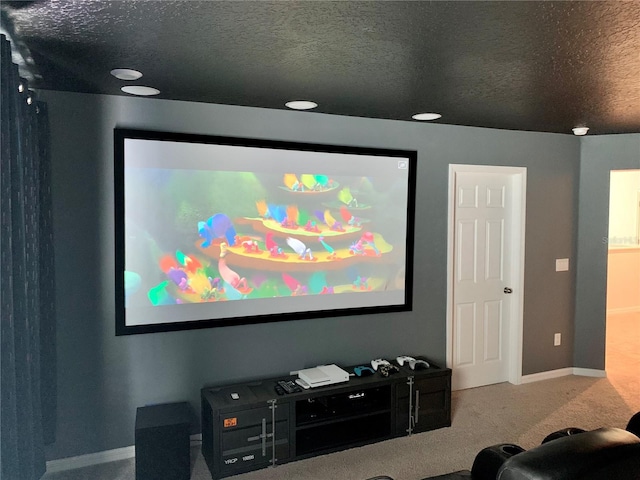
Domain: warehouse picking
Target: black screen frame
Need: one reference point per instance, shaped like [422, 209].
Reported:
[122, 134]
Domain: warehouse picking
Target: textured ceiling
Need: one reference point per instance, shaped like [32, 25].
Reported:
[523, 65]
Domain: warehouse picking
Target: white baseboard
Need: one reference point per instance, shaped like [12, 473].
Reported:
[536, 377]
[562, 372]
[589, 372]
[71, 463]
[624, 310]
[124, 453]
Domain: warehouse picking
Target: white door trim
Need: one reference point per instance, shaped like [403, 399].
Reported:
[519, 174]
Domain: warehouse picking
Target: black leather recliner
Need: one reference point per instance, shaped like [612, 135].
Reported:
[606, 453]
[567, 454]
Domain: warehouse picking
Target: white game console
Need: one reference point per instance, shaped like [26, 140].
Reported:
[323, 375]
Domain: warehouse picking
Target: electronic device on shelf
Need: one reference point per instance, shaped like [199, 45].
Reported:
[289, 386]
[363, 371]
[418, 364]
[323, 375]
[402, 359]
[302, 383]
[414, 364]
[388, 369]
[378, 362]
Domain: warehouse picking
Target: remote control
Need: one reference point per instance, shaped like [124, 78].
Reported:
[302, 383]
[289, 386]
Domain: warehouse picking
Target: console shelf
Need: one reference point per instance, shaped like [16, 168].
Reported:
[343, 434]
[342, 419]
[248, 426]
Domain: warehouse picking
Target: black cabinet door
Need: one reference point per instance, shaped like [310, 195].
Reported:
[249, 448]
[425, 405]
[247, 439]
[432, 402]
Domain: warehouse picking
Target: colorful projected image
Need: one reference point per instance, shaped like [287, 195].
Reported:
[204, 236]
[217, 231]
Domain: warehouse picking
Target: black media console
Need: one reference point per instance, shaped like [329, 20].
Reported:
[248, 426]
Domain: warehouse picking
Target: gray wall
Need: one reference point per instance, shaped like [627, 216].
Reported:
[103, 378]
[599, 156]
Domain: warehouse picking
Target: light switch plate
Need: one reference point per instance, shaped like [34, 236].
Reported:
[562, 264]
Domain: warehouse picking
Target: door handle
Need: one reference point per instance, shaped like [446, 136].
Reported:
[508, 290]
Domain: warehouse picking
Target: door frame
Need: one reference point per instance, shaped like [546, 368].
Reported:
[519, 176]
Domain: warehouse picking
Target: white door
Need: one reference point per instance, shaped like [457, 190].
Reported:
[486, 218]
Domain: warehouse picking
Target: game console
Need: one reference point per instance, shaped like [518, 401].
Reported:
[323, 375]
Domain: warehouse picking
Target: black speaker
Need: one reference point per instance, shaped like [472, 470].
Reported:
[162, 442]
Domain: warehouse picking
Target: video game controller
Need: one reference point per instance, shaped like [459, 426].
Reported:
[419, 364]
[388, 369]
[404, 358]
[363, 371]
[378, 362]
[412, 362]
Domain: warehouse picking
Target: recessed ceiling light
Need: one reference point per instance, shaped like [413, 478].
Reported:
[301, 105]
[580, 130]
[140, 90]
[126, 74]
[426, 116]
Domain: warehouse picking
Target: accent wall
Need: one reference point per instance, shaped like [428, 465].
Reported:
[102, 378]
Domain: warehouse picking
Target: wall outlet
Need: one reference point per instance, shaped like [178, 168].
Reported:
[557, 339]
[562, 264]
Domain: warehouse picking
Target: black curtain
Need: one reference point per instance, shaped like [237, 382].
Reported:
[27, 327]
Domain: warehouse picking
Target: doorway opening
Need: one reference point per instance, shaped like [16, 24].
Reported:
[622, 359]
